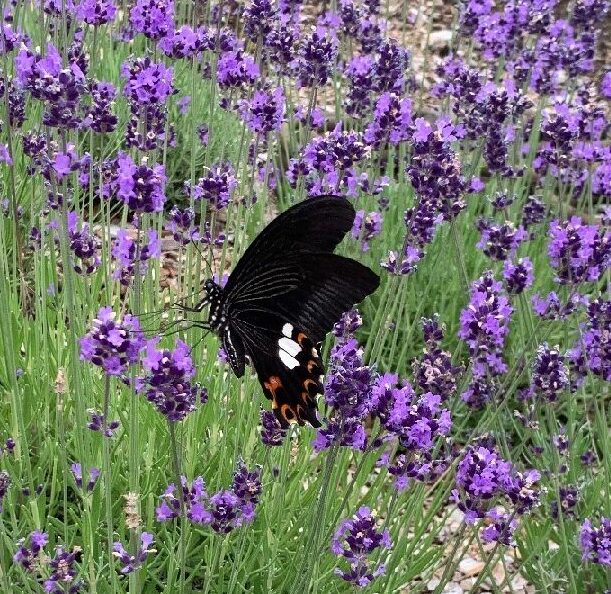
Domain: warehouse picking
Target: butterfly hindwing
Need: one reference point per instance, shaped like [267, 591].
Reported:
[291, 377]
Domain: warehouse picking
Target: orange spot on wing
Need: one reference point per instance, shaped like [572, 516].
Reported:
[301, 337]
[272, 384]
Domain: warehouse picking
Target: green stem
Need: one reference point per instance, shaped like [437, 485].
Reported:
[108, 484]
[183, 511]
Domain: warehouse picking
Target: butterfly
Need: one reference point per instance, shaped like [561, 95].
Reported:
[284, 295]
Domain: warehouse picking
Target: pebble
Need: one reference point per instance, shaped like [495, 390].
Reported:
[470, 567]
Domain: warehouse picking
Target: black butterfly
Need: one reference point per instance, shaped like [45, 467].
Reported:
[283, 297]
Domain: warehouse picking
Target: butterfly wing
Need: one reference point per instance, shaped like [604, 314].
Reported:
[284, 296]
[280, 333]
[315, 225]
[288, 367]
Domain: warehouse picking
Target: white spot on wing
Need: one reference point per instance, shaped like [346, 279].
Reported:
[287, 330]
[290, 346]
[289, 361]
[314, 352]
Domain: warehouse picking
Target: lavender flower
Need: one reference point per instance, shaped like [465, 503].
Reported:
[265, 112]
[280, 42]
[550, 375]
[59, 88]
[140, 187]
[578, 252]
[360, 73]
[84, 245]
[131, 563]
[596, 542]
[272, 433]
[223, 511]
[99, 423]
[100, 117]
[418, 421]
[391, 67]
[483, 477]
[236, 69]
[153, 18]
[148, 87]
[258, 18]
[16, 102]
[549, 307]
[484, 325]
[315, 59]
[348, 390]
[194, 497]
[569, 497]
[216, 187]
[592, 350]
[63, 572]
[518, 276]
[96, 12]
[168, 381]
[366, 227]
[186, 42]
[392, 121]
[30, 557]
[130, 259]
[328, 163]
[348, 324]
[499, 241]
[5, 483]
[533, 212]
[355, 540]
[77, 472]
[113, 345]
[433, 370]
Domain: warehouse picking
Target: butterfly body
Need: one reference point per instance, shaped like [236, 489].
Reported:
[283, 297]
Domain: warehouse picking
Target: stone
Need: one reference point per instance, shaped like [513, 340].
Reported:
[469, 566]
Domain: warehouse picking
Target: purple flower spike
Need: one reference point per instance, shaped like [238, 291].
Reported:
[258, 18]
[112, 345]
[392, 121]
[484, 478]
[153, 18]
[216, 187]
[168, 381]
[484, 325]
[499, 241]
[140, 187]
[131, 563]
[355, 540]
[77, 472]
[265, 112]
[96, 12]
[596, 542]
[97, 423]
[30, 557]
[518, 276]
[5, 483]
[579, 253]
[366, 227]
[63, 573]
[125, 254]
[236, 69]
[550, 375]
[186, 42]
[272, 433]
[592, 350]
[315, 59]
